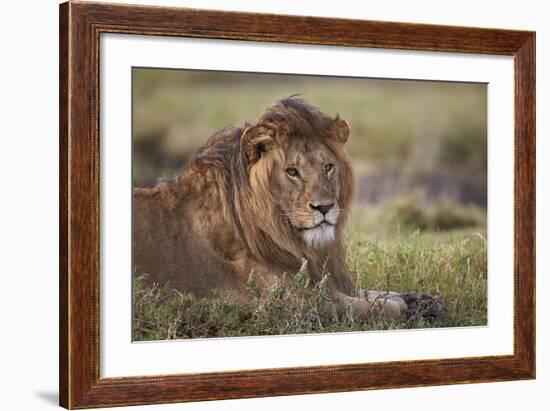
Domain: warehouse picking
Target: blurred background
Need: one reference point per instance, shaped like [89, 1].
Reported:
[419, 148]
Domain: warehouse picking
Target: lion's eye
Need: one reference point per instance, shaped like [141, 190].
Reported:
[292, 172]
[328, 167]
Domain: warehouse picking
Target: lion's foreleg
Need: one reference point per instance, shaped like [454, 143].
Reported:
[388, 295]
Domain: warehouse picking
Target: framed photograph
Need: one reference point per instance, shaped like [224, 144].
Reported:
[259, 205]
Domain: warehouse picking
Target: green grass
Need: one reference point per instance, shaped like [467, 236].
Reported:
[450, 263]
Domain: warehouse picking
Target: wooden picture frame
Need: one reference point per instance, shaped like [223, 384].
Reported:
[80, 27]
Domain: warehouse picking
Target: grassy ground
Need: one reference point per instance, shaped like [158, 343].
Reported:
[450, 263]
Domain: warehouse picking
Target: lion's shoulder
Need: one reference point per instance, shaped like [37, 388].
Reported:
[165, 192]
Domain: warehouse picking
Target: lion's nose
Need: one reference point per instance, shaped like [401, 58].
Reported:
[322, 208]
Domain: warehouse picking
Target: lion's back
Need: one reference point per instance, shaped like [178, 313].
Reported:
[166, 249]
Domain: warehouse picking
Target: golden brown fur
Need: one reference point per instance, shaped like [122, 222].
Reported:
[239, 209]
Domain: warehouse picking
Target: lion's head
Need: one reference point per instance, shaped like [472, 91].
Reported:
[298, 151]
[286, 180]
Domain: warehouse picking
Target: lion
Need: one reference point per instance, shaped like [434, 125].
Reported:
[258, 200]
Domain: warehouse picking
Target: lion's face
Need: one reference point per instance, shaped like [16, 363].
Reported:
[306, 186]
[300, 178]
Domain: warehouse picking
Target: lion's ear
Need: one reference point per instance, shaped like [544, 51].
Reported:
[255, 142]
[340, 129]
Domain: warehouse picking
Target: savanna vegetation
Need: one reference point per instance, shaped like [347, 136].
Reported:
[419, 222]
